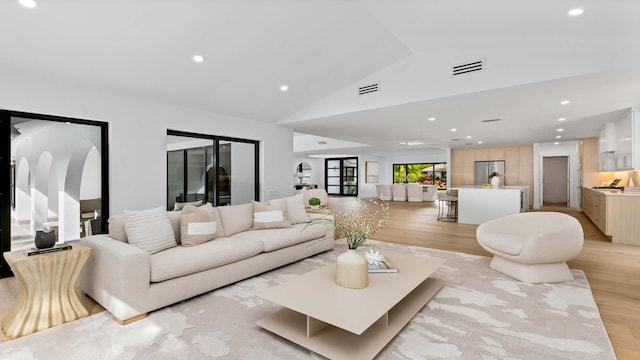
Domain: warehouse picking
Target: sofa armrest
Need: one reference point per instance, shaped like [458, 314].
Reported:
[117, 276]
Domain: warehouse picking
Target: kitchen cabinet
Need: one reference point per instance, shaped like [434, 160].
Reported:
[614, 213]
[618, 144]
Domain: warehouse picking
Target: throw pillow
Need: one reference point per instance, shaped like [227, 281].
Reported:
[149, 230]
[270, 215]
[198, 224]
[179, 205]
[236, 218]
[116, 228]
[296, 211]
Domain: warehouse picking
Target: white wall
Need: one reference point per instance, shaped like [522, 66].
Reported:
[137, 135]
[91, 185]
[564, 148]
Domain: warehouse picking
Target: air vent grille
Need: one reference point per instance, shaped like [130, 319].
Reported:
[368, 89]
[490, 120]
[473, 66]
[322, 142]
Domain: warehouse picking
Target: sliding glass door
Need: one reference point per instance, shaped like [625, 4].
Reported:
[54, 178]
[208, 168]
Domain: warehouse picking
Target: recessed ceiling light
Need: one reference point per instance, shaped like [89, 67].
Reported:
[468, 136]
[28, 3]
[576, 12]
[67, 122]
[479, 142]
[564, 102]
[560, 130]
[559, 137]
[431, 119]
[454, 129]
[198, 58]
[556, 143]
[284, 88]
[412, 143]
[562, 119]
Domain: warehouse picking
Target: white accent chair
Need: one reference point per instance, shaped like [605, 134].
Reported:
[414, 193]
[431, 194]
[317, 193]
[399, 192]
[533, 246]
[385, 192]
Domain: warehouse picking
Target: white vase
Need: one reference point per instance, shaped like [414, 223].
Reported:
[495, 181]
[352, 270]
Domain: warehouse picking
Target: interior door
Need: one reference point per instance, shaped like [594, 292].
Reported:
[555, 180]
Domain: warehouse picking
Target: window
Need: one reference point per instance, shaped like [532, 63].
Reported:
[341, 176]
[210, 168]
[423, 173]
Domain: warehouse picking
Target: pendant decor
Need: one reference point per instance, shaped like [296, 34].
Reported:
[352, 271]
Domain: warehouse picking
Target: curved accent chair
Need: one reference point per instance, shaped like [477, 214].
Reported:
[532, 246]
[385, 192]
[414, 193]
[399, 192]
[431, 194]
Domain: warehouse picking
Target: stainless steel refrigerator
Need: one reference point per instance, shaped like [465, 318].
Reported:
[482, 170]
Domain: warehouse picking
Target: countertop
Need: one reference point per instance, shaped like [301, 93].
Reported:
[614, 192]
[481, 187]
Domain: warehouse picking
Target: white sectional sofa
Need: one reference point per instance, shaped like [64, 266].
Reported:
[129, 281]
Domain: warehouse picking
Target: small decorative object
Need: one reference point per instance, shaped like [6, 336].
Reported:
[45, 240]
[494, 179]
[377, 262]
[314, 202]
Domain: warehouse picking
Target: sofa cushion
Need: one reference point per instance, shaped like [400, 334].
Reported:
[236, 218]
[510, 244]
[116, 228]
[270, 215]
[274, 239]
[199, 225]
[174, 217]
[185, 260]
[149, 230]
[296, 210]
[180, 205]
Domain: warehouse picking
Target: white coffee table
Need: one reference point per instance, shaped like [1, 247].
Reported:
[342, 323]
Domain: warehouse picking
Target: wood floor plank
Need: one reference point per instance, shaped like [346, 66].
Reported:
[613, 270]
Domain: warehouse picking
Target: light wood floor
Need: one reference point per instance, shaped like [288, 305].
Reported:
[612, 270]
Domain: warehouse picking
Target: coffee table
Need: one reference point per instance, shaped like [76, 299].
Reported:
[342, 323]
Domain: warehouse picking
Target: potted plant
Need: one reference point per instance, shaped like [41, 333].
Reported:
[314, 202]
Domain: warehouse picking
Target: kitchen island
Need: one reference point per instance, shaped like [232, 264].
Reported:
[477, 203]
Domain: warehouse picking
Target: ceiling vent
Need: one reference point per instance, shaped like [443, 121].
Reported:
[490, 120]
[322, 142]
[369, 89]
[474, 66]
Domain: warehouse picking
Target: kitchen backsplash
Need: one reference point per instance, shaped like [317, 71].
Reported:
[627, 177]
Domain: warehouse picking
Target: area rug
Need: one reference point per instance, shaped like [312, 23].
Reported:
[479, 314]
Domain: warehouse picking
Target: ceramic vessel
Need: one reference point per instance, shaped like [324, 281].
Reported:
[45, 240]
[495, 181]
[352, 271]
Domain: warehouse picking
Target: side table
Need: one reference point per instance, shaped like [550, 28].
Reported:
[48, 294]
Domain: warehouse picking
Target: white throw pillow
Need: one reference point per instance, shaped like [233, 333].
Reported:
[296, 210]
[149, 230]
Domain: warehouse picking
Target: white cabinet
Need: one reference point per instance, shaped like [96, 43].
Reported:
[619, 144]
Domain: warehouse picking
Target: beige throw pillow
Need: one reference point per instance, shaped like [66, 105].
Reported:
[116, 228]
[198, 225]
[149, 230]
[296, 210]
[236, 218]
[270, 215]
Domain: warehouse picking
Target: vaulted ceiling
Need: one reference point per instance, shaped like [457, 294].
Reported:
[535, 55]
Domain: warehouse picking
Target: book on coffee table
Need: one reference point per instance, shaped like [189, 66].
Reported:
[383, 266]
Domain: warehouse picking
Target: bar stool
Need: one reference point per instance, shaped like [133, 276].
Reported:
[447, 207]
